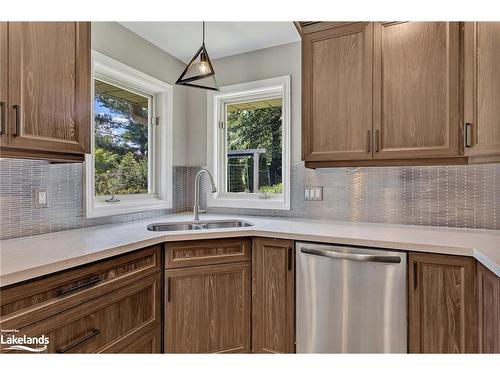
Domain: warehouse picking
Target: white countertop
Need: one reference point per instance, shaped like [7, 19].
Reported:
[28, 257]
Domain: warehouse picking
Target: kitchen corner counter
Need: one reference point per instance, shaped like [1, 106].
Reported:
[29, 257]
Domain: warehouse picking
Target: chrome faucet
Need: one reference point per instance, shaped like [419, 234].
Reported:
[196, 207]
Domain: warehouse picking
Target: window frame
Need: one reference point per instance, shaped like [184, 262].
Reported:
[216, 148]
[160, 141]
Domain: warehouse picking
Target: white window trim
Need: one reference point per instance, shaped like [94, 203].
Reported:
[161, 163]
[216, 144]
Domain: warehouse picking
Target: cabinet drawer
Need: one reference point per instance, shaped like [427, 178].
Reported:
[100, 325]
[203, 253]
[29, 302]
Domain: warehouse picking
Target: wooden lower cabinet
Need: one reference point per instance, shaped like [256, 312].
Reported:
[101, 324]
[207, 309]
[442, 304]
[110, 306]
[489, 310]
[273, 296]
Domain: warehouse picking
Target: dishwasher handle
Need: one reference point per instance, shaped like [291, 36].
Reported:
[352, 256]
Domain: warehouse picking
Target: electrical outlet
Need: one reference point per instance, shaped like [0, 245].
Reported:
[313, 193]
[41, 198]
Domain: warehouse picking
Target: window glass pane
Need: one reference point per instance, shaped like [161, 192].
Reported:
[254, 146]
[121, 140]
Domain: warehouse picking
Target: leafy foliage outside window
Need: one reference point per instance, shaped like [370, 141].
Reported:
[121, 141]
[255, 128]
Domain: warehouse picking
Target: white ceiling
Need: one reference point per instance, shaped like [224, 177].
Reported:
[182, 39]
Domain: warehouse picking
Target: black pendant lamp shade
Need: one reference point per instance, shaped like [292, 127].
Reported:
[199, 72]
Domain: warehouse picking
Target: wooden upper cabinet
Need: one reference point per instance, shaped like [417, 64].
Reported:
[208, 309]
[273, 296]
[416, 90]
[49, 86]
[337, 93]
[482, 88]
[442, 304]
[3, 83]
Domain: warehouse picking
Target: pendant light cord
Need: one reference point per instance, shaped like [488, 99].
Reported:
[203, 33]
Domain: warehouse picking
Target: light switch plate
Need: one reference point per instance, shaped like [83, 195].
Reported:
[41, 198]
[313, 193]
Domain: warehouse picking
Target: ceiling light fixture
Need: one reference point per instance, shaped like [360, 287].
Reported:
[199, 72]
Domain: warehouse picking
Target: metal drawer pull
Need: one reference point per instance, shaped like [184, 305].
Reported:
[290, 255]
[377, 140]
[369, 142]
[2, 118]
[468, 135]
[93, 332]
[350, 256]
[18, 129]
[88, 283]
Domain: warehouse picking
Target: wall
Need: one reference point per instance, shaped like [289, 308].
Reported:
[19, 177]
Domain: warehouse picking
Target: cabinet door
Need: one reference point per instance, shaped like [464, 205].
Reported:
[489, 310]
[482, 88]
[442, 295]
[208, 309]
[273, 296]
[3, 83]
[337, 93]
[416, 91]
[49, 86]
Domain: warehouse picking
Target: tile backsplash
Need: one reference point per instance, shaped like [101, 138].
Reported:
[453, 196]
[19, 177]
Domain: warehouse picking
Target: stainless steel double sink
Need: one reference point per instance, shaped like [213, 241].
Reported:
[198, 225]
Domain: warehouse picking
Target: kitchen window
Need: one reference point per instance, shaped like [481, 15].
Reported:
[130, 168]
[249, 125]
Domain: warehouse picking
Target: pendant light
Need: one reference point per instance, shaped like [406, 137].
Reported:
[199, 72]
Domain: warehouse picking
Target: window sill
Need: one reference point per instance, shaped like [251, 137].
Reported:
[102, 209]
[259, 203]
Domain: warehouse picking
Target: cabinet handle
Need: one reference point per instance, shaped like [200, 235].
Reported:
[93, 332]
[468, 135]
[169, 282]
[86, 284]
[2, 118]
[415, 275]
[17, 131]
[290, 259]
[377, 140]
[369, 142]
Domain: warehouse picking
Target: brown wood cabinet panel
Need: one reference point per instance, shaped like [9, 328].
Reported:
[273, 296]
[49, 86]
[442, 304]
[416, 90]
[99, 324]
[29, 302]
[3, 83]
[482, 87]
[489, 310]
[204, 253]
[337, 93]
[208, 309]
[149, 343]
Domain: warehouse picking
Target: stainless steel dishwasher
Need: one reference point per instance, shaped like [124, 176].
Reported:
[350, 300]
